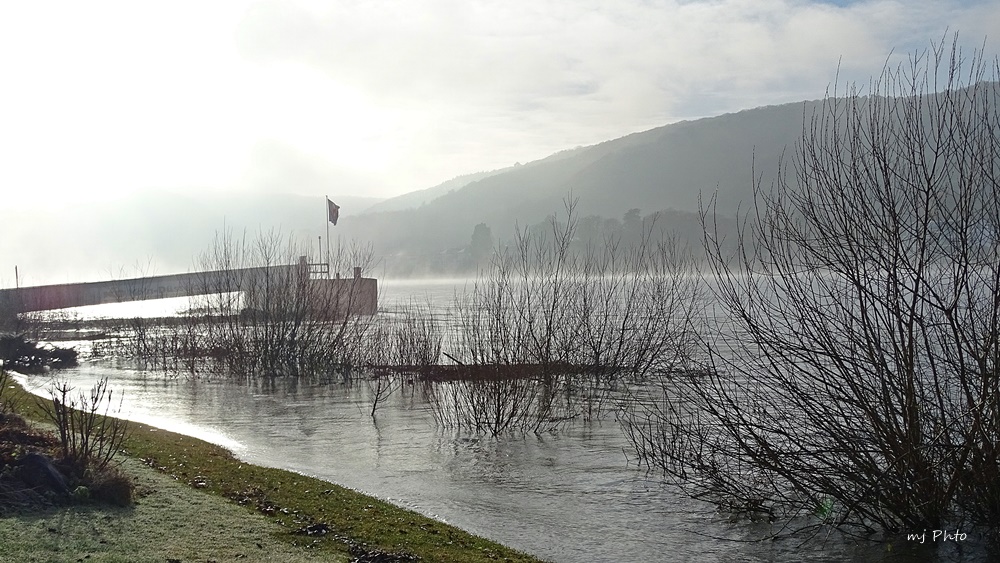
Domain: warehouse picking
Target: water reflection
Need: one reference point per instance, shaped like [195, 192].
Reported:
[566, 496]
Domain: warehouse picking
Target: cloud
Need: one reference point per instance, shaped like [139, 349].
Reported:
[106, 98]
[559, 73]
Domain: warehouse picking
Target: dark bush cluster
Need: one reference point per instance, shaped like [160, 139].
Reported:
[22, 355]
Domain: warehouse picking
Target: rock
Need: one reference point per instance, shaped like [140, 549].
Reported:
[319, 529]
[38, 472]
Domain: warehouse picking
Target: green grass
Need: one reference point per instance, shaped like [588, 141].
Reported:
[291, 502]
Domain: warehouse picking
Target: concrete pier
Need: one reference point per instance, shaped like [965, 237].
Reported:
[335, 297]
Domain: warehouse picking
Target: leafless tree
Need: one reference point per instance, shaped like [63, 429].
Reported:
[854, 379]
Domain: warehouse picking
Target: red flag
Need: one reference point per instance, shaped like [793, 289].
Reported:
[333, 211]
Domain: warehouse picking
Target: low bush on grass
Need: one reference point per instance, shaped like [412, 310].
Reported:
[40, 468]
[112, 486]
[89, 439]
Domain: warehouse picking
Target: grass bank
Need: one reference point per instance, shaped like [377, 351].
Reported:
[169, 522]
[301, 518]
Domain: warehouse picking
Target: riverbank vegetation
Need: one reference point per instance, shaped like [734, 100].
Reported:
[262, 312]
[16, 352]
[549, 332]
[72, 462]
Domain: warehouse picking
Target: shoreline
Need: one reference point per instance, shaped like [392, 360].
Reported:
[331, 519]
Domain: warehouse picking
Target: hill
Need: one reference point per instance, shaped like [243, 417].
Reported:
[667, 168]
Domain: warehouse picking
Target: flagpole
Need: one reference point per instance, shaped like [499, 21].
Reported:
[326, 212]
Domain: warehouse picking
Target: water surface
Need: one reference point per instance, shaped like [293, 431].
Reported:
[567, 496]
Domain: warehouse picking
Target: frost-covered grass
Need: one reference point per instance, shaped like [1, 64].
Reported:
[169, 521]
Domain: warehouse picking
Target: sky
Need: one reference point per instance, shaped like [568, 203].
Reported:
[101, 100]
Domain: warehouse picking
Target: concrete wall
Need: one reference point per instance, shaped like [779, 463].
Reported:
[356, 295]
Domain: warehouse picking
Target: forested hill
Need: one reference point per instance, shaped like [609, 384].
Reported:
[666, 168]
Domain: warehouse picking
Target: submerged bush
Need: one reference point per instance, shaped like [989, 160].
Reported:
[18, 353]
[259, 312]
[549, 333]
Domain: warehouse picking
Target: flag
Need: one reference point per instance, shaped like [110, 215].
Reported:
[332, 211]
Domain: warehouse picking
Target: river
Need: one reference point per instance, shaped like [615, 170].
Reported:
[567, 496]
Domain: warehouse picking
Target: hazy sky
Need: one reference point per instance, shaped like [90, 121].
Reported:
[101, 99]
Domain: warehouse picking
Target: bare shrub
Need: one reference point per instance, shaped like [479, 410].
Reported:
[498, 403]
[416, 338]
[89, 439]
[547, 333]
[272, 320]
[261, 312]
[397, 348]
[857, 383]
[137, 331]
[112, 486]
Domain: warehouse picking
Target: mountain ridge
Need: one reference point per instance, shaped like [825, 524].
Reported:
[671, 167]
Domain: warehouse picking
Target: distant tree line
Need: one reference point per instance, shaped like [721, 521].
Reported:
[408, 258]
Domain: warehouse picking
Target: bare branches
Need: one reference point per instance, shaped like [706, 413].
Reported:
[551, 334]
[262, 313]
[90, 439]
[859, 373]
